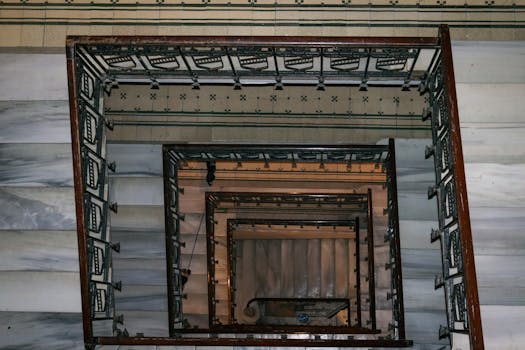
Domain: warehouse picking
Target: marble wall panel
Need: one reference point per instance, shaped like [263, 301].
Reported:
[40, 330]
[34, 121]
[151, 323]
[147, 272]
[503, 326]
[419, 294]
[38, 251]
[420, 263]
[489, 61]
[493, 143]
[500, 271]
[139, 244]
[501, 102]
[415, 234]
[36, 165]
[44, 291]
[414, 205]
[136, 159]
[29, 77]
[138, 218]
[498, 231]
[507, 296]
[43, 208]
[495, 185]
[137, 190]
[422, 326]
[141, 298]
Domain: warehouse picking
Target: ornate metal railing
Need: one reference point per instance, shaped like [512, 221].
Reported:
[91, 169]
[350, 327]
[397, 327]
[458, 277]
[314, 154]
[200, 60]
[173, 217]
[313, 205]
[99, 64]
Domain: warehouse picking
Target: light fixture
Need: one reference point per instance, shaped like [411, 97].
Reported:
[363, 86]
[278, 83]
[237, 84]
[320, 85]
[195, 85]
[154, 85]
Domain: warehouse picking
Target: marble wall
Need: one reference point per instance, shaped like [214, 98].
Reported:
[39, 288]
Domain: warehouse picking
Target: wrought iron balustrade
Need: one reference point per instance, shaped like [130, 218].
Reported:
[318, 321]
[458, 277]
[97, 65]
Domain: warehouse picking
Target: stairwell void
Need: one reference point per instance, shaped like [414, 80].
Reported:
[319, 199]
[271, 212]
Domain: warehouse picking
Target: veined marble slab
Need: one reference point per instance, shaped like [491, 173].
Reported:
[500, 271]
[489, 61]
[501, 102]
[141, 298]
[415, 205]
[34, 121]
[40, 330]
[41, 291]
[495, 185]
[493, 142]
[139, 244]
[503, 326]
[411, 179]
[422, 326]
[137, 190]
[151, 323]
[38, 251]
[420, 263]
[498, 231]
[136, 159]
[41, 208]
[502, 295]
[419, 295]
[33, 77]
[411, 152]
[415, 234]
[138, 218]
[151, 272]
[36, 165]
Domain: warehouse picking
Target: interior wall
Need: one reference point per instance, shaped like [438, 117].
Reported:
[39, 286]
[39, 23]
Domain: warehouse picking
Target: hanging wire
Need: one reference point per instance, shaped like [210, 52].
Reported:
[195, 242]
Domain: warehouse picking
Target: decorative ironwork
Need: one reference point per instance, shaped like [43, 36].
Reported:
[173, 218]
[245, 62]
[98, 64]
[393, 238]
[95, 197]
[320, 154]
[320, 204]
[439, 86]
[232, 225]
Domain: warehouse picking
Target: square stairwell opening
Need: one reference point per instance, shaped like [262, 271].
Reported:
[130, 95]
[269, 284]
[335, 212]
